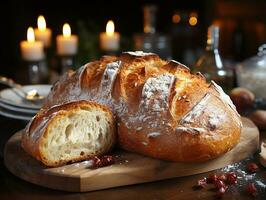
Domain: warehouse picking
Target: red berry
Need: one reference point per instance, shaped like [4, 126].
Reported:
[212, 178]
[231, 178]
[252, 167]
[218, 184]
[222, 177]
[102, 161]
[221, 192]
[251, 189]
[202, 183]
[96, 161]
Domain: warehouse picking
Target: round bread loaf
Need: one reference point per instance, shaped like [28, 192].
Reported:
[161, 109]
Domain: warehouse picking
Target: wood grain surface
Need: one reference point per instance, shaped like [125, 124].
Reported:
[129, 168]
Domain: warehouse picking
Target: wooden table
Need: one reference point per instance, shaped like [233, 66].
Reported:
[180, 188]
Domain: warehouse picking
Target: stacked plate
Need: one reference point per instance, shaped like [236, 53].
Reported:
[14, 106]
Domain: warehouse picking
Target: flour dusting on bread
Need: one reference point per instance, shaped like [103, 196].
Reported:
[108, 78]
[138, 53]
[190, 130]
[196, 111]
[224, 96]
[155, 92]
[153, 134]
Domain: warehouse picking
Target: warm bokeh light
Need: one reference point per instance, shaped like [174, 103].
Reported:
[66, 30]
[176, 18]
[216, 23]
[30, 35]
[41, 23]
[110, 28]
[193, 19]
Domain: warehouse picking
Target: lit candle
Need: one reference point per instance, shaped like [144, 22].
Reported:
[31, 50]
[67, 44]
[42, 33]
[110, 40]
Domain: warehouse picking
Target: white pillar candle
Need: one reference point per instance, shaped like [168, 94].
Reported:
[42, 33]
[110, 40]
[31, 50]
[67, 44]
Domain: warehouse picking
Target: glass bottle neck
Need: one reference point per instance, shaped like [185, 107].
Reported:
[212, 47]
[149, 19]
[213, 38]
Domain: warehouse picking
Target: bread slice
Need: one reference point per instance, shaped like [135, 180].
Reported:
[70, 132]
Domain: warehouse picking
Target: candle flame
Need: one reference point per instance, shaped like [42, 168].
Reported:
[66, 30]
[110, 28]
[41, 23]
[30, 35]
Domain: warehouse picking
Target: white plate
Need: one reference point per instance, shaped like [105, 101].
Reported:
[18, 109]
[8, 96]
[14, 115]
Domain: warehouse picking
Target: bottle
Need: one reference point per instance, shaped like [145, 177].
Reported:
[149, 17]
[150, 40]
[210, 63]
[239, 42]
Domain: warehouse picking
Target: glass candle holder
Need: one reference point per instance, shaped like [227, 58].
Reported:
[38, 72]
[66, 63]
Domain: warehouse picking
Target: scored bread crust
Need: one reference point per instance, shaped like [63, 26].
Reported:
[36, 132]
[161, 109]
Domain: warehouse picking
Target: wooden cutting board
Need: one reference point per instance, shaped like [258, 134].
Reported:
[129, 169]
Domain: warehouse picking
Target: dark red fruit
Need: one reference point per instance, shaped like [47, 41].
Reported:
[211, 178]
[251, 189]
[102, 161]
[221, 192]
[222, 177]
[252, 167]
[231, 178]
[202, 183]
[218, 184]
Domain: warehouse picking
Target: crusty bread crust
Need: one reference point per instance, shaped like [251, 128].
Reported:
[36, 132]
[161, 109]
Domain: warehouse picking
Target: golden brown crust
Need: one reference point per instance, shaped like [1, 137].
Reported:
[93, 72]
[36, 131]
[162, 110]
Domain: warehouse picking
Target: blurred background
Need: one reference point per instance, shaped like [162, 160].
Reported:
[242, 26]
